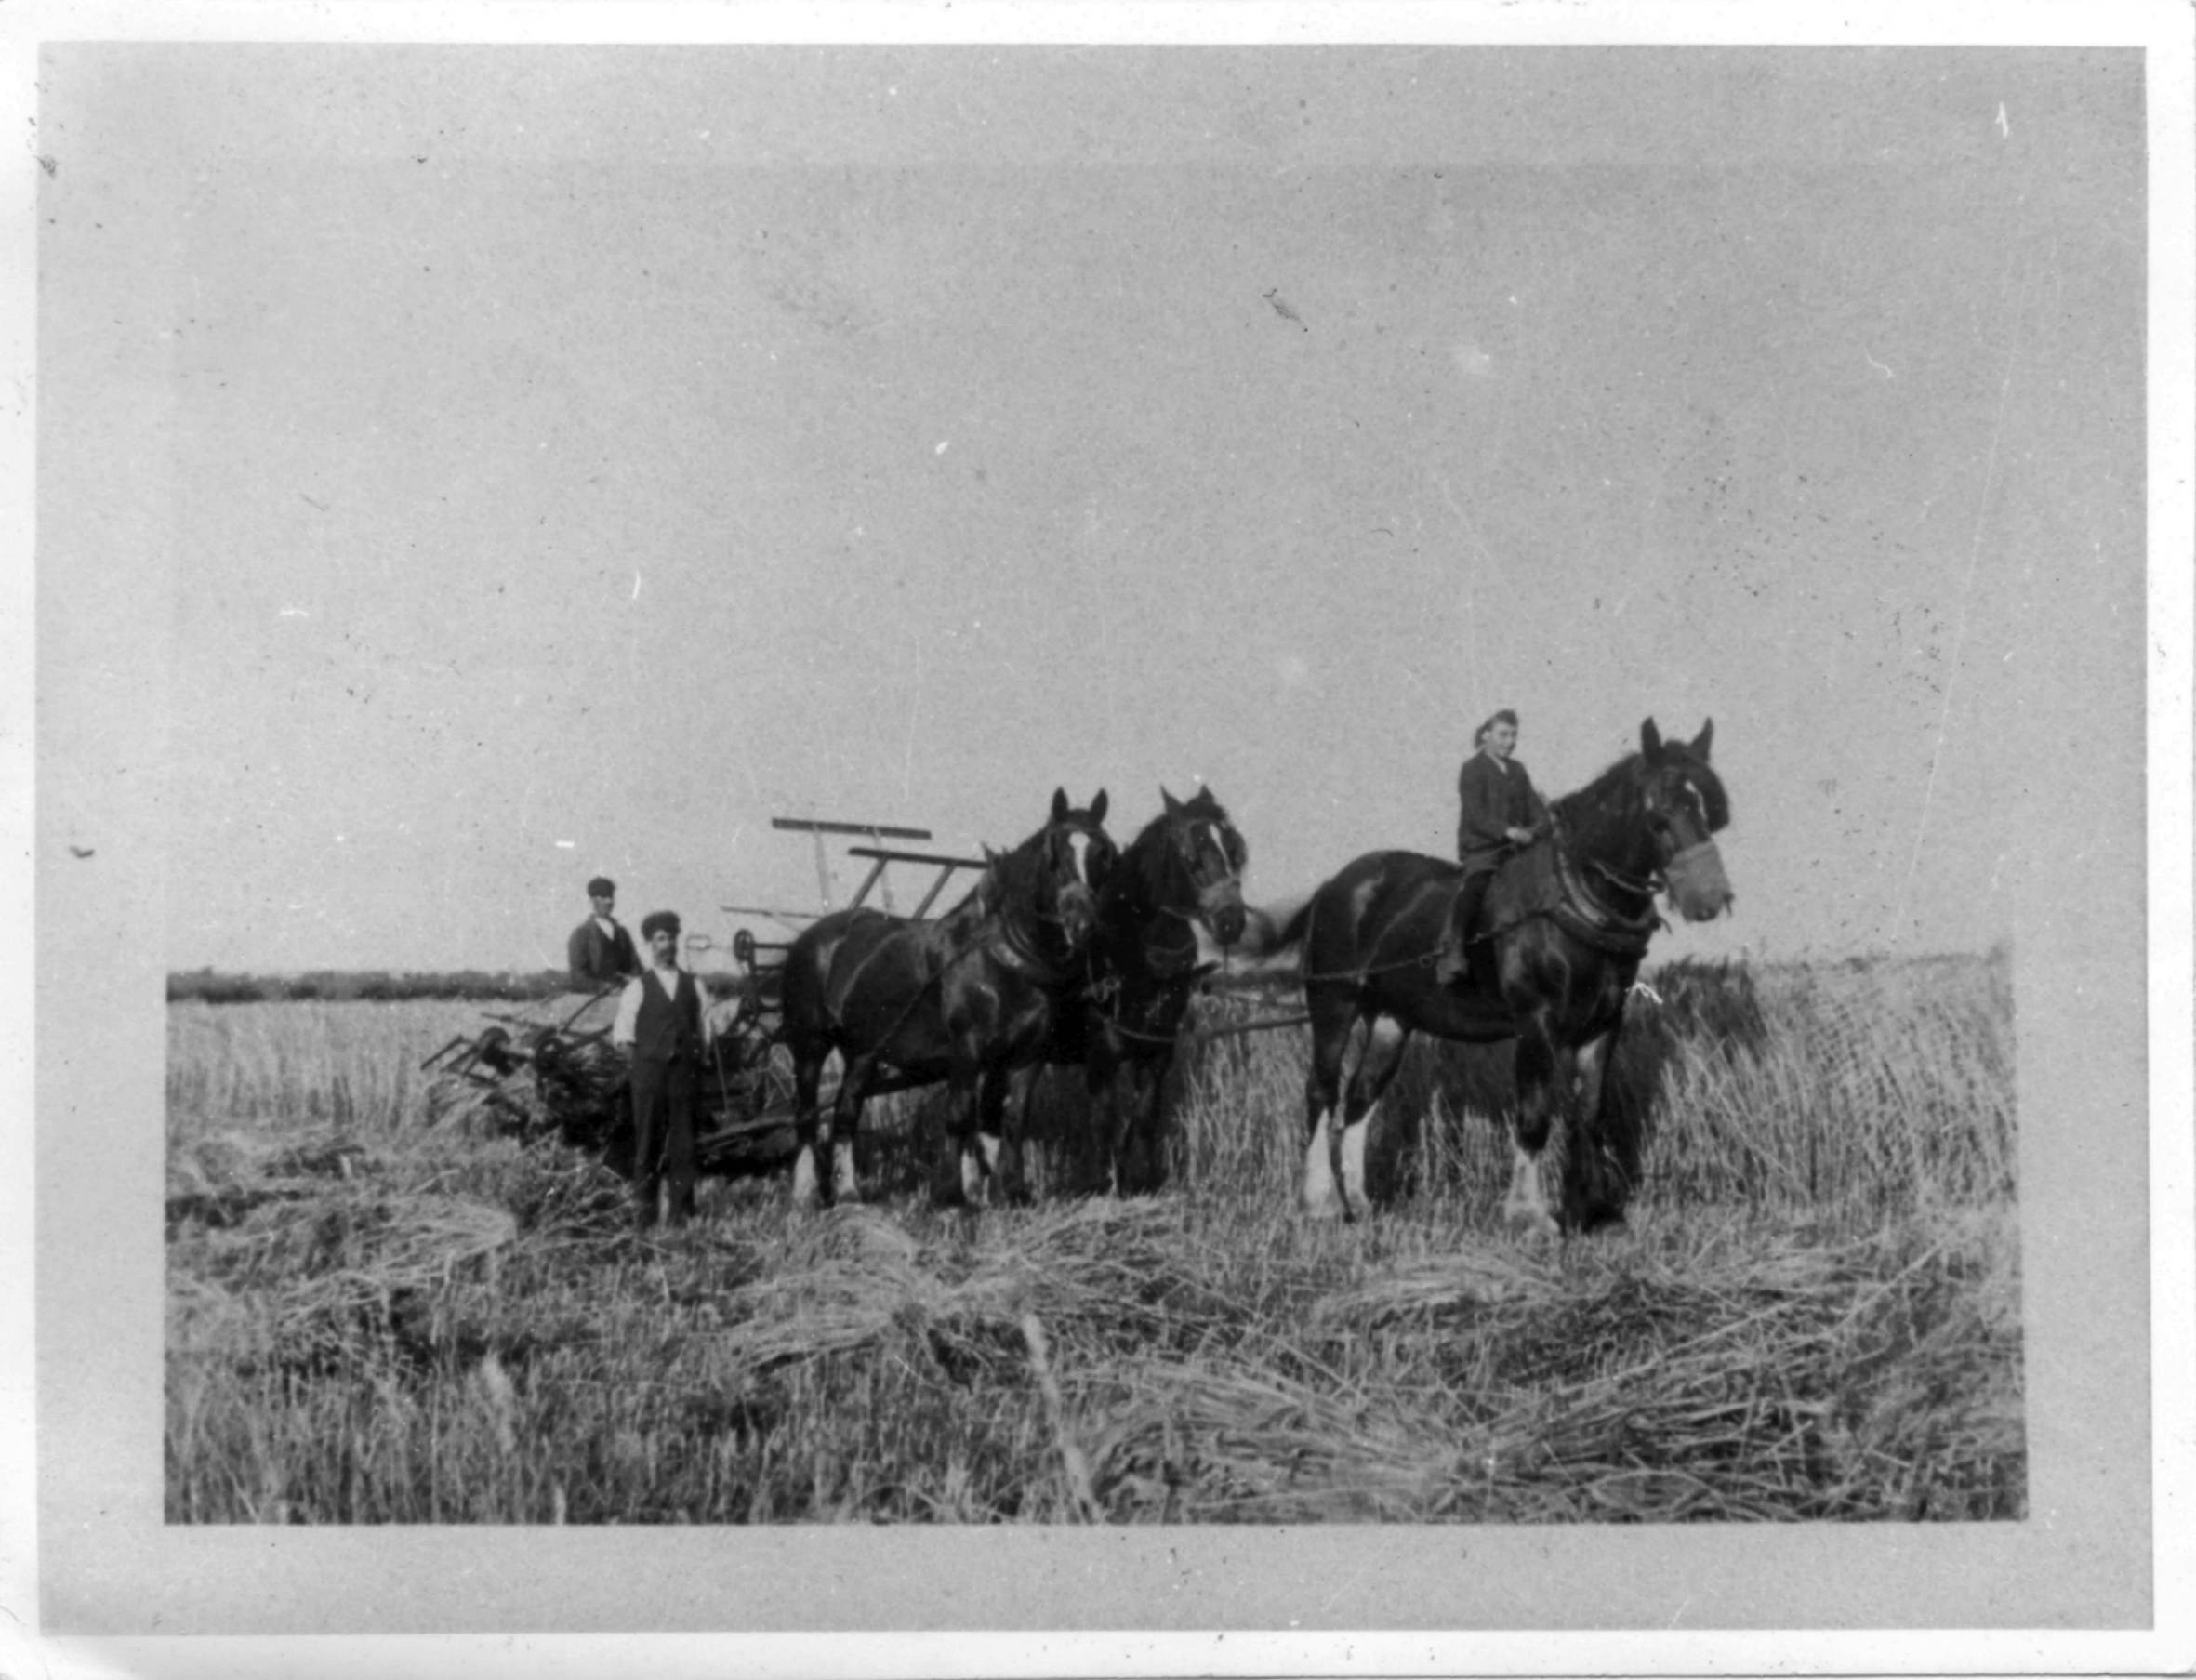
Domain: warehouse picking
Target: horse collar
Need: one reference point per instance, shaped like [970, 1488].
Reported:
[1021, 955]
[1590, 919]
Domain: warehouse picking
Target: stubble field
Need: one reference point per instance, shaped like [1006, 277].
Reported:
[1814, 1311]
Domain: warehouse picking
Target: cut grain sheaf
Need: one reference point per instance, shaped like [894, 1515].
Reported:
[856, 1278]
[275, 1264]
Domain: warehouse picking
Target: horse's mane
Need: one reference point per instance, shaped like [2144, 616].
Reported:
[1019, 873]
[1002, 872]
[1614, 795]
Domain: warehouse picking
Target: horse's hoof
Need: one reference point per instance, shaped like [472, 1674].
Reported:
[1528, 1223]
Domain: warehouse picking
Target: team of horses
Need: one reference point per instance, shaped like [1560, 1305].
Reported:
[1071, 951]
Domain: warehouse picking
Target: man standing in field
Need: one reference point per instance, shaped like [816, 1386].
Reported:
[600, 953]
[1499, 810]
[661, 1026]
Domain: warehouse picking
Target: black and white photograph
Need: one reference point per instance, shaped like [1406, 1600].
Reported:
[1224, 821]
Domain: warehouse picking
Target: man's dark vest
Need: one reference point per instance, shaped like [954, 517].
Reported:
[668, 1029]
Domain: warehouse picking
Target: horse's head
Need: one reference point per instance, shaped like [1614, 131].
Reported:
[1198, 860]
[1686, 807]
[1078, 857]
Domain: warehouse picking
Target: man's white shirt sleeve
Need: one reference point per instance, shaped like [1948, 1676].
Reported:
[627, 1023]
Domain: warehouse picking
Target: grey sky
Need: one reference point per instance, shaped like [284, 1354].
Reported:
[620, 448]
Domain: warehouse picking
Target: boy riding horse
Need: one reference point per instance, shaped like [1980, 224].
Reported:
[1500, 811]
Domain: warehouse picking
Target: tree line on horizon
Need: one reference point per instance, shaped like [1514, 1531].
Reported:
[368, 985]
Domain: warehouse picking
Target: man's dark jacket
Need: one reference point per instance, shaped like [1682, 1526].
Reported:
[1492, 798]
[597, 959]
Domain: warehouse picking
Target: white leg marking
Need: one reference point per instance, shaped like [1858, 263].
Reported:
[1590, 1064]
[805, 1190]
[1319, 1199]
[971, 1174]
[1353, 1142]
[1527, 1204]
[846, 1185]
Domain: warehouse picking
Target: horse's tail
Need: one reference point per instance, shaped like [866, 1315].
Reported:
[1272, 929]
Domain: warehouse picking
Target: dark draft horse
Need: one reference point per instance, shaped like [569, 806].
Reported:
[1123, 1022]
[1573, 913]
[967, 999]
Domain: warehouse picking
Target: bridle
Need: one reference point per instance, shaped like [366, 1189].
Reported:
[1041, 968]
[1205, 839]
[1199, 847]
[1593, 918]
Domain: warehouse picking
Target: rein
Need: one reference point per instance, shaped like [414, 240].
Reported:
[1424, 960]
[1644, 887]
[929, 983]
[1122, 1027]
[1203, 1035]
